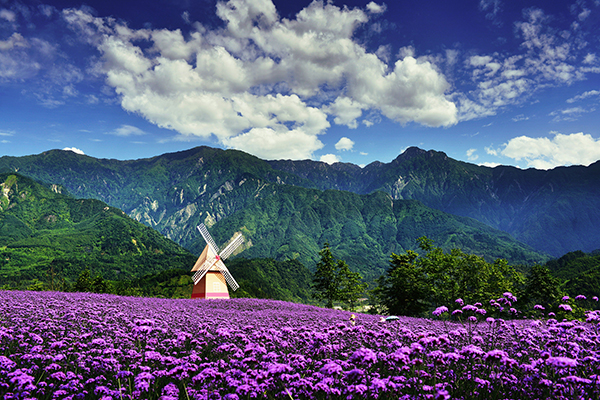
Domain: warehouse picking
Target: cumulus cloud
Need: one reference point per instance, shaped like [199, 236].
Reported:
[329, 158]
[344, 144]
[262, 82]
[74, 150]
[547, 153]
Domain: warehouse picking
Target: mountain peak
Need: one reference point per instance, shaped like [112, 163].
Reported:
[413, 152]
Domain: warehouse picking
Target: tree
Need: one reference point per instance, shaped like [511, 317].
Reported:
[325, 280]
[417, 283]
[351, 285]
[334, 281]
[84, 282]
[403, 290]
[541, 287]
[99, 285]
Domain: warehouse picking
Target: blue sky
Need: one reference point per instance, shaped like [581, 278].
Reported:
[489, 82]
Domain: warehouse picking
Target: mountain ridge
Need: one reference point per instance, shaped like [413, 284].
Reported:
[174, 191]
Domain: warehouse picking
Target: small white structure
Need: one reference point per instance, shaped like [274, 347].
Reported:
[211, 275]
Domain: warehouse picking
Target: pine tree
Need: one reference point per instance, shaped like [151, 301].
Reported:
[334, 281]
[325, 281]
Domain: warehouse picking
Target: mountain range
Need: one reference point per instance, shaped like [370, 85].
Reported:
[288, 209]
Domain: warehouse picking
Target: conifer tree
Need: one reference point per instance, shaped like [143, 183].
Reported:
[334, 281]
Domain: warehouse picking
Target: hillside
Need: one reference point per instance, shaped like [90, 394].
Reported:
[289, 222]
[552, 211]
[46, 234]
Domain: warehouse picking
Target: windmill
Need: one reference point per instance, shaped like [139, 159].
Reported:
[211, 275]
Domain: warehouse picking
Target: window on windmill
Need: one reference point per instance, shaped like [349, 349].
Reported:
[216, 286]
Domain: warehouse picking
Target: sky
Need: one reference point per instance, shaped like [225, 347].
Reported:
[490, 82]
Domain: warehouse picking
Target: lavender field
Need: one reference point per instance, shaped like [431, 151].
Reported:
[80, 345]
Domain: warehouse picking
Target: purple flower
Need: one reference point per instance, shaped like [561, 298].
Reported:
[538, 307]
[331, 368]
[580, 297]
[363, 356]
[460, 302]
[455, 312]
[595, 298]
[565, 307]
[440, 310]
[171, 390]
[565, 298]
[509, 296]
[561, 362]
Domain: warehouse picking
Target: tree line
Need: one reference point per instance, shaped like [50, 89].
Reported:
[416, 282]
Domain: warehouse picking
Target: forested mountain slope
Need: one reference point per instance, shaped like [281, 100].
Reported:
[44, 232]
[553, 211]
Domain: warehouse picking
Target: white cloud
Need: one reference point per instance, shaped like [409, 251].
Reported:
[7, 133]
[329, 158]
[375, 8]
[344, 144]
[584, 95]
[8, 15]
[262, 75]
[589, 58]
[550, 57]
[489, 164]
[74, 150]
[471, 156]
[520, 117]
[491, 151]
[569, 114]
[127, 130]
[546, 153]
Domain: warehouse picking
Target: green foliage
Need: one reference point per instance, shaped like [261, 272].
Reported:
[334, 281]
[415, 284]
[291, 223]
[266, 278]
[578, 272]
[541, 287]
[84, 282]
[51, 238]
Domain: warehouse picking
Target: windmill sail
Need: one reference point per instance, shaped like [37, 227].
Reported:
[207, 238]
[231, 247]
[203, 270]
[228, 277]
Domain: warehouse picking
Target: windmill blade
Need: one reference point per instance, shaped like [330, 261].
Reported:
[231, 247]
[207, 238]
[228, 277]
[203, 270]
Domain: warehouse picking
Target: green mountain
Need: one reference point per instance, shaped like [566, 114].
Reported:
[44, 233]
[293, 223]
[552, 211]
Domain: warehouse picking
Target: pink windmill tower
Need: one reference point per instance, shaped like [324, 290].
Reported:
[211, 275]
